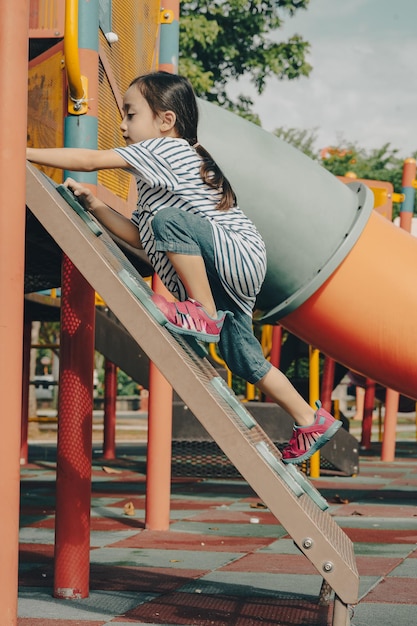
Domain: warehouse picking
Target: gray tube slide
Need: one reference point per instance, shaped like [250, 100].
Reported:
[307, 217]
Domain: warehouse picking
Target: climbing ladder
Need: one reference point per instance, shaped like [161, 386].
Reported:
[283, 488]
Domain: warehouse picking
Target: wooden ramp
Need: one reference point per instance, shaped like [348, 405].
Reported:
[283, 488]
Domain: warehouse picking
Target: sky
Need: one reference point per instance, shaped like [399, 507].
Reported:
[363, 86]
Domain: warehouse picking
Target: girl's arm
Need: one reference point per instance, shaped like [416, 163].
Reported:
[86, 160]
[116, 223]
[76, 159]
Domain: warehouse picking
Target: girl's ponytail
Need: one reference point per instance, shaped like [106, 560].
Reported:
[212, 175]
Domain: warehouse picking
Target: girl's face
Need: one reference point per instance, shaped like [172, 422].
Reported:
[140, 123]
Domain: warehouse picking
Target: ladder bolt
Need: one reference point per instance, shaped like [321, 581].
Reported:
[328, 566]
[307, 543]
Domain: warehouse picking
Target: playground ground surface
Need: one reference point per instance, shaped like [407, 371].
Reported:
[225, 560]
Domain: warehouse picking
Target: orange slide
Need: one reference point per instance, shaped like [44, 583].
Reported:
[365, 314]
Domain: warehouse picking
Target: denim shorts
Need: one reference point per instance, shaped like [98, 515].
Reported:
[183, 232]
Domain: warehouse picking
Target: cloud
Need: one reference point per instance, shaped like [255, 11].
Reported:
[362, 87]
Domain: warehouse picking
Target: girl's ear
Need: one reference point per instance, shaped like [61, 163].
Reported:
[168, 121]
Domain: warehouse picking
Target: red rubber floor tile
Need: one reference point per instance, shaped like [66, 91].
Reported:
[202, 610]
[175, 504]
[140, 579]
[35, 553]
[404, 482]
[48, 522]
[124, 522]
[228, 516]
[376, 510]
[35, 621]
[394, 590]
[373, 535]
[171, 540]
[272, 564]
[378, 566]
[194, 505]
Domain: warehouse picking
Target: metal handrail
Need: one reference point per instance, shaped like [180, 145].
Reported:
[77, 84]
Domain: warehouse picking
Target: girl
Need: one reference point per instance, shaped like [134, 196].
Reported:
[205, 250]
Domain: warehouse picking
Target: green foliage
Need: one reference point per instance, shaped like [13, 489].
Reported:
[49, 336]
[125, 385]
[242, 107]
[222, 41]
[49, 332]
[302, 139]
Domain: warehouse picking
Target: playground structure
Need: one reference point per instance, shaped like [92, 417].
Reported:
[333, 320]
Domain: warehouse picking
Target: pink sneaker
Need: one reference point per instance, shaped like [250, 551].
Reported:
[189, 318]
[306, 440]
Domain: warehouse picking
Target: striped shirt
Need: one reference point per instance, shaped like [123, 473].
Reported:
[167, 172]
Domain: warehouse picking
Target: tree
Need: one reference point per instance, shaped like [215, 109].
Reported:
[221, 41]
[302, 139]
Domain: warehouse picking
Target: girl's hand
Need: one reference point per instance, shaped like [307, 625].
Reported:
[115, 222]
[84, 195]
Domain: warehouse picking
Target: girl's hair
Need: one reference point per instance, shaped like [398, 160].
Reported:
[171, 92]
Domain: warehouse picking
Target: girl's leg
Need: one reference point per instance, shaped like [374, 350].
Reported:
[187, 241]
[193, 274]
[312, 429]
[276, 385]
[243, 354]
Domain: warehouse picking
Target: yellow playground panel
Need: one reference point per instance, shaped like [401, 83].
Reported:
[137, 25]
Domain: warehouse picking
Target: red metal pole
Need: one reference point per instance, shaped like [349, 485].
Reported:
[368, 414]
[275, 356]
[75, 406]
[110, 395]
[327, 383]
[75, 411]
[14, 28]
[27, 340]
[392, 400]
[158, 472]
